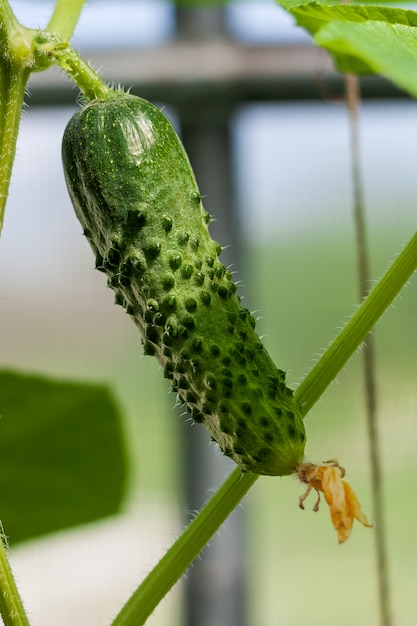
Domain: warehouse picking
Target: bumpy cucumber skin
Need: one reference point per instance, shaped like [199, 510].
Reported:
[135, 194]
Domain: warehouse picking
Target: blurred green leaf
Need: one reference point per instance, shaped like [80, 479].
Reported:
[63, 459]
[364, 39]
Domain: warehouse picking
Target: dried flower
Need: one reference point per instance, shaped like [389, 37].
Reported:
[339, 495]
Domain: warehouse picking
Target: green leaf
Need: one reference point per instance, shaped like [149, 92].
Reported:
[364, 39]
[387, 49]
[63, 460]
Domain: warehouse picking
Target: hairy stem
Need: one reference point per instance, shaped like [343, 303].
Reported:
[357, 328]
[11, 607]
[65, 18]
[190, 543]
[13, 86]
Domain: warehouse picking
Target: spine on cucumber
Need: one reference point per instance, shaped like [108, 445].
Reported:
[135, 194]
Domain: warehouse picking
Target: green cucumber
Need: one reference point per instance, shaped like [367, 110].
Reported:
[135, 194]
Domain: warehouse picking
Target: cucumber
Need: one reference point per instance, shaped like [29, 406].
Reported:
[135, 194]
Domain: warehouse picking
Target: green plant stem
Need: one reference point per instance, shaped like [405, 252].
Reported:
[13, 86]
[65, 18]
[11, 607]
[54, 50]
[356, 329]
[190, 543]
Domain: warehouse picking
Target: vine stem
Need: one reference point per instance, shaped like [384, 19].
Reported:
[357, 328]
[11, 607]
[64, 18]
[181, 554]
[13, 89]
[185, 549]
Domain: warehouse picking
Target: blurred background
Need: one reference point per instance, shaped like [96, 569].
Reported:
[262, 116]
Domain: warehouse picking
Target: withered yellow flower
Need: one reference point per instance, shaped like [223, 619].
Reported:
[339, 495]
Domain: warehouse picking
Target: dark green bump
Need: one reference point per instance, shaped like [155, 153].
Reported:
[188, 321]
[166, 223]
[183, 331]
[218, 248]
[130, 309]
[250, 353]
[207, 217]
[219, 270]
[246, 408]
[227, 393]
[198, 264]
[138, 265]
[159, 319]
[152, 305]
[243, 334]
[194, 243]
[269, 437]
[291, 430]
[213, 286]
[226, 361]
[205, 298]
[199, 279]
[197, 365]
[197, 344]
[171, 327]
[226, 371]
[195, 197]
[240, 347]
[135, 221]
[207, 408]
[223, 407]
[168, 282]
[175, 261]
[152, 334]
[264, 421]
[215, 350]
[152, 250]
[211, 399]
[209, 261]
[184, 354]
[262, 455]
[278, 411]
[238, 450]
[210, 274]
[241, 379]
[167, 352]
[232, 317]
[170, 302]
[148, 316]
[241, 360]
[187, 270]
[223, 292]
[231, 329]
[183, 238]
[232, 288]
[191, 305]
[197, 416]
